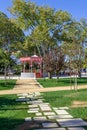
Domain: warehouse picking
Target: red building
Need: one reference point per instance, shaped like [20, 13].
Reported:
[32, 64]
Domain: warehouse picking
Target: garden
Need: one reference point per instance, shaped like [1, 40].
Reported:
[60, 41]
[13, 113]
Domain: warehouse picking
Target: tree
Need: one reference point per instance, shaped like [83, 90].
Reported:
[10, 34]
[47, 28]
[53, 61]
[5, 61]
[44, 24]
[74, 49]
[74, 46]
[10, 37]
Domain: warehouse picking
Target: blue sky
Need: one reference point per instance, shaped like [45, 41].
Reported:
[77, 8]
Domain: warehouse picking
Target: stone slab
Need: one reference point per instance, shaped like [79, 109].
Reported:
[55, 108]
[37, 93]
[49, 125]
[28, 119]
[23, 102]
[63, 108]
[60, 116]
[24, 94]
[49, 113]
[30, 95]
[76, 128]
[62, 112]
[28, 102]
[71, 122]
[44, 104]
[37, 102]
[41, 118]
[39, 114]
[45, 108]
[22, 97]
[32, 111]
[33, 106]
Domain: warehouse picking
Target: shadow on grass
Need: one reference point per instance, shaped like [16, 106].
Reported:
[9, 124]
[10, 103]
[20, 124]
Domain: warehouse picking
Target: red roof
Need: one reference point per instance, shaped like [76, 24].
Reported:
[24, 59]
[32, 58]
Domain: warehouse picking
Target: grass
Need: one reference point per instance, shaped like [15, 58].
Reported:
[61, 82]
[7, 84]
[12, 113]
[66, 98]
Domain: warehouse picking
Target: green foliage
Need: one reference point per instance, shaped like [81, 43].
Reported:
[41, 22]
[9, 33]
[11, 40]
[4, 56]
[46, 28]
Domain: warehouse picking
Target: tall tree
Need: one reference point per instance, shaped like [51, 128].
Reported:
[10, 37]
[53, 61]
[74, 46]
[44, 24]
[10, 34]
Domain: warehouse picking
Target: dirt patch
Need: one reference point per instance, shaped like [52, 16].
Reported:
[27, 126]
[79, 104]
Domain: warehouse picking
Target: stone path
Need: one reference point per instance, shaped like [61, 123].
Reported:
[48, 117]
[43, 114]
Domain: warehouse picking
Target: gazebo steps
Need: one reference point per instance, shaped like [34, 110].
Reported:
[27, 75]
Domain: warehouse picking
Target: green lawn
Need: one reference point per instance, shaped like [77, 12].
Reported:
[61, 82]
[12, 113]
[66, 98]
[7, 84]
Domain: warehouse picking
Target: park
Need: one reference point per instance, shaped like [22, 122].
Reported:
[43, 69]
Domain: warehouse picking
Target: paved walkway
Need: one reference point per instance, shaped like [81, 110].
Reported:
[31, 85]
[42, 116]
[45, 116]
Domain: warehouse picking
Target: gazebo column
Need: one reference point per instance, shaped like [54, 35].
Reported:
[31, 65]
[24, 67]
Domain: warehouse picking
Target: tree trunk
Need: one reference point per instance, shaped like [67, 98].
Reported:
[49, 75]
[5, 73]
[79, 73]
[75, 83]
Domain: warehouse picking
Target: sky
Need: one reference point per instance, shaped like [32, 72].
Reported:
[77, 8]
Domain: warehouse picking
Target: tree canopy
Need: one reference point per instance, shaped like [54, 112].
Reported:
[46, 29]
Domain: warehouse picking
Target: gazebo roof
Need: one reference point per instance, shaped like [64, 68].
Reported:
[36, 58]
[32, 58]
[25, 59]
